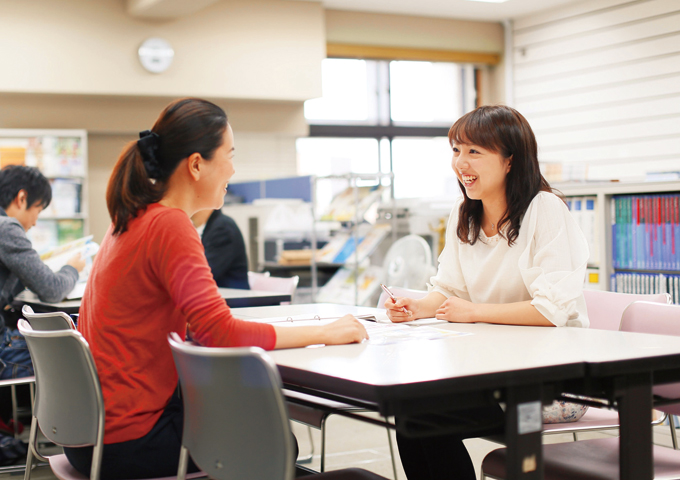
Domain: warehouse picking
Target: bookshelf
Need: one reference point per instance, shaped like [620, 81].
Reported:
[605, 194]
[61, 155]
[355, 241]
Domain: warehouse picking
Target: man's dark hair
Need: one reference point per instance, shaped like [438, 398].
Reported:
[14, 178]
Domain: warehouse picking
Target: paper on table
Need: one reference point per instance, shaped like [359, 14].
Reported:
[386, 334]
[379, 333]
[77, 291]
[383, 318]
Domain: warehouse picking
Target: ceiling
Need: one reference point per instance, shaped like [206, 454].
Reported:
[463, 9]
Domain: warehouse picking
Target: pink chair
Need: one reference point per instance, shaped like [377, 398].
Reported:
[599, 459]
[604, 311]
[262, 281]
[606, 308]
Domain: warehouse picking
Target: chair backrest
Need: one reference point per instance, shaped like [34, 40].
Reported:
[260, 281]
[235, 417]
[47, 321]
[254, 276]
[68, 404]
[649, 317]
[606, 308]
[400, 292]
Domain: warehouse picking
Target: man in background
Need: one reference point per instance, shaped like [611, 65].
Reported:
[24, 193]
[224, 248]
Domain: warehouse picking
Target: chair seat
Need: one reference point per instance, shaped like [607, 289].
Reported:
[593, 419]
[63, 470]
[586, 460]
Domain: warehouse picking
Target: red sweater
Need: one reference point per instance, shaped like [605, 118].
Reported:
[152, 280]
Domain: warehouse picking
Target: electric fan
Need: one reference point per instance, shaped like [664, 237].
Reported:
[408, 263]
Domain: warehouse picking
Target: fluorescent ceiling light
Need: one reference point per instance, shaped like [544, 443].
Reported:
[488, 1]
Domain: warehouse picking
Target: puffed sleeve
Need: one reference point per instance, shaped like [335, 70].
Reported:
[449, 280]
[553, 264]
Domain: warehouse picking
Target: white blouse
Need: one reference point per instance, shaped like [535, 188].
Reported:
[546, 264]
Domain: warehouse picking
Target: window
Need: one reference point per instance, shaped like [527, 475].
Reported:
[379, 116]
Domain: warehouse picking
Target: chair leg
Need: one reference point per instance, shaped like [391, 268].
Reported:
[575, 436]
[674, 436]
[33, 435]
[310, 457]
[322, 467]
[183, 463]
[15, 412]
[389, 442]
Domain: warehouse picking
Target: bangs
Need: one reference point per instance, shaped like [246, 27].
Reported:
[476, 128]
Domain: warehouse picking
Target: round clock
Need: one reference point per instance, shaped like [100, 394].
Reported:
[155, 55]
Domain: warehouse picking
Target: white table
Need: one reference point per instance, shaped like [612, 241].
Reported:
[517, 365]
[234, 297]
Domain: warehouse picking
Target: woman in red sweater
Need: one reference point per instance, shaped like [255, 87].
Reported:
[151, 278]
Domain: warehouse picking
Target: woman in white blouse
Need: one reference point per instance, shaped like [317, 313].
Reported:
[513, 255]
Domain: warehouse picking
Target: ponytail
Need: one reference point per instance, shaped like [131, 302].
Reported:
[129, 189]
[185, 127]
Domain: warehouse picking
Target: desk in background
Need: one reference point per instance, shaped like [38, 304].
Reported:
[521, 366]
[234, 297]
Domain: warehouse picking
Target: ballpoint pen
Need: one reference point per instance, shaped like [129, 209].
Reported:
[394, 299]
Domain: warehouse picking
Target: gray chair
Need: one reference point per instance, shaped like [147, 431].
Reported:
[235, 418]
[69, 409]
[47, 321]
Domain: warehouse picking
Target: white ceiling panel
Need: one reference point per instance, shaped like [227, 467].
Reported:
[462, 9]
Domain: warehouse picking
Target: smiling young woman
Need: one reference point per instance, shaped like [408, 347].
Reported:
[513, 255]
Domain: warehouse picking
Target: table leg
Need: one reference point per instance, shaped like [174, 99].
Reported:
[634, 398]
[523, 426]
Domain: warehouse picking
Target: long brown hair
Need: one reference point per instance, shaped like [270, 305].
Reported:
[139, 178]
[505, 131]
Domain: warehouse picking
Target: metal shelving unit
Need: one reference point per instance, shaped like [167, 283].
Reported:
[353, 181]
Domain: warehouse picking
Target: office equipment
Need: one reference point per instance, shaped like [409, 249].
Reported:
[409, 379]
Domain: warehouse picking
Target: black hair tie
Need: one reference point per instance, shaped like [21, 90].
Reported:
[148, 145]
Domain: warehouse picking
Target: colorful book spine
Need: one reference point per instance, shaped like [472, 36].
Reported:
[645, 232]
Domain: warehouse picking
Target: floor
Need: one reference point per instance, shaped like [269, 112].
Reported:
[356, 444]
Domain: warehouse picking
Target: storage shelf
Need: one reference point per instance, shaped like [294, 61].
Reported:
[605, 191]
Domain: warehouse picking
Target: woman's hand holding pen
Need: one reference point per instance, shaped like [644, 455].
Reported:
[404, 310]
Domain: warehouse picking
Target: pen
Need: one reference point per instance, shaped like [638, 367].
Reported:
[394, 299]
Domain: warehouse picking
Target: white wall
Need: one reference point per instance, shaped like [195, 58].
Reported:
[599, 81]
[246, 49]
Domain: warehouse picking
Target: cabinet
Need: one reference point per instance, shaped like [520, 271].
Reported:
[356, 233]
[61, 155]
[605, 216]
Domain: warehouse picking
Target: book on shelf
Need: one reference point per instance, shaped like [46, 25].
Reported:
[341, 287]
[584, 211]
[50, 233]
[646, 232]
[66, 194]
[54, 156]
[341, 248]
[343, 207]
[646, 283]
